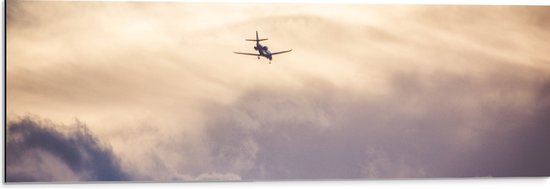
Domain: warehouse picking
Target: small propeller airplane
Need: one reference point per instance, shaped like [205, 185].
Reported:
[262, 50]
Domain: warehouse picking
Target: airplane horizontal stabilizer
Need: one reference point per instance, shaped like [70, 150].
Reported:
[256, 40]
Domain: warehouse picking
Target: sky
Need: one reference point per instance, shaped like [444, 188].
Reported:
[142, 91]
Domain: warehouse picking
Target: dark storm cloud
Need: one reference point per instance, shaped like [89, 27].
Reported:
[71, 156]
[438, 125]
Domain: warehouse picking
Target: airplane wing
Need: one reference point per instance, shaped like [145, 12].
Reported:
[281, 52]
[252, 54]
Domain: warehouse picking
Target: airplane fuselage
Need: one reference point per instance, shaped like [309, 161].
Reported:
[263, 50]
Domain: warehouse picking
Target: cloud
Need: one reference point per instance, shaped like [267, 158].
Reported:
[218, 177]
[43, 151]
[441, 125]
[370, 91]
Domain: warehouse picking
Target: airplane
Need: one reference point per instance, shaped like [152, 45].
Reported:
[262, 50]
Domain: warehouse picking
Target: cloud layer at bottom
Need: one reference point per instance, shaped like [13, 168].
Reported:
[452, 126]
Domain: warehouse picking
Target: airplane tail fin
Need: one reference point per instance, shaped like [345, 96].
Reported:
[257, 38]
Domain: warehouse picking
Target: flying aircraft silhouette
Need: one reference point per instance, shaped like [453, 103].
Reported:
[262, 50]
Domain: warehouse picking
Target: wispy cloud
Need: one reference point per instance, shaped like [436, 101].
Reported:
[438, 126]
